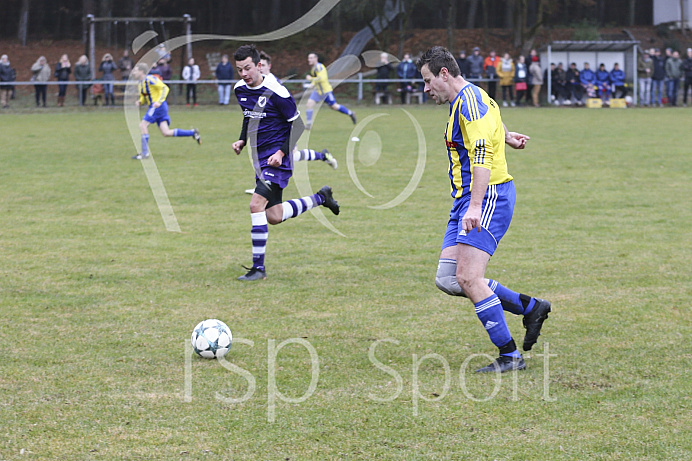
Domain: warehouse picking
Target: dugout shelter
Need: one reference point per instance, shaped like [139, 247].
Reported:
[624, 52]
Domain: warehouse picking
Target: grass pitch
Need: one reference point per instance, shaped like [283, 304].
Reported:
[98, 300]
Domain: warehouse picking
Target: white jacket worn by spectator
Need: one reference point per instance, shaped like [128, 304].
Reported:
[191, 73]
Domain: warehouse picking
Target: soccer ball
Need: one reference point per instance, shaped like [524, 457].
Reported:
[211, 339]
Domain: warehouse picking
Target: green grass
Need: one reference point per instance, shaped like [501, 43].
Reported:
[97, 299]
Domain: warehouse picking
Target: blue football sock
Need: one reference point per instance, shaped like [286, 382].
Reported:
[181, 133]
[491, 315]
[145, 144]
[345, 110]
[308, 114]
[516, 303]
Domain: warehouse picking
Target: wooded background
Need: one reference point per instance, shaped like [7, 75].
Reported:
[41, 19]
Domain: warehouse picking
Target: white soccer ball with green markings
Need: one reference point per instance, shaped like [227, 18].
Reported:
[211, 339]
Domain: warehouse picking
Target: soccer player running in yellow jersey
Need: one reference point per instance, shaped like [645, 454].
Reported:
[319, 80]
[153, 91]
[484, 196]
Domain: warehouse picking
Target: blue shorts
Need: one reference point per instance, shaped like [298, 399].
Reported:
[327, 97]
[498, 207]
[158, 115]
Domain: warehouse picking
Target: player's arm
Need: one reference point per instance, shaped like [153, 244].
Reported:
[242, 139]
[296, 131]
[472, 218]
[287, 107]
[320, 76]
[142, 95]
[481, 152]
[515, 140]
[163, 92]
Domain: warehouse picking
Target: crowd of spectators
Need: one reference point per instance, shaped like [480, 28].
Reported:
[63, 71]
[660, 77]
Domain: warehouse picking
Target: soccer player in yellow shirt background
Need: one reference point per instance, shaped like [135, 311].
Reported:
[319, 80]
[153, 92]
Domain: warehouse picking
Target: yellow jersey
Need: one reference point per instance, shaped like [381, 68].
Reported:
[320, 79]
[152, 89]
[475, 137]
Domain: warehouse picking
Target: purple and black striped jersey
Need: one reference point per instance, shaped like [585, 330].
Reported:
[270, 109]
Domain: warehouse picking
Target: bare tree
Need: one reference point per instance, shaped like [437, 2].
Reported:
[471, 18]
[23, 22]
[451, 23]
[631, 12]
[682, 17]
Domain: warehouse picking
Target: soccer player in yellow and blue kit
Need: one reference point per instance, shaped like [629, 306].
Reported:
[153, 92]
[319, 80]
[484, 196]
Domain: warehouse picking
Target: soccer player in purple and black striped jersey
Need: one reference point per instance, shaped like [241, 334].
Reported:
[153, 92]
[272, 125]
[484, 196]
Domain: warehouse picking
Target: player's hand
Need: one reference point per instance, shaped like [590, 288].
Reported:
[137, 103]
[156, 105]
[472, 219]
[238, 146]
[276, 159]
[516, 140]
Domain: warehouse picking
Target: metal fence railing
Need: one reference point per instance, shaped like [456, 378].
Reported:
[358, 88]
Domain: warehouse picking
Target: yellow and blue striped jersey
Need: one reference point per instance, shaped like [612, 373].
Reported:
[320, 79]
[475, 137]
[152, 89]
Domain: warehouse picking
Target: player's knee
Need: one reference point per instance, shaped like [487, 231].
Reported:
[143, 127]
[273, 220]
[467, 283]
[446, 279]
[449, 285]
[336, 106]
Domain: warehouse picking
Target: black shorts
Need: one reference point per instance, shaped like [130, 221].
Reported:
[269, 190]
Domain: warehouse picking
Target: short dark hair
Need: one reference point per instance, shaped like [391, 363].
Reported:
[247, 51]
[436, 58]
[266, 57]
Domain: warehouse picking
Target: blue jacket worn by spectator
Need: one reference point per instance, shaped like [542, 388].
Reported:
[617, 77]
[602, 77]
[7, 74]
[475, 63]
[659, 68]
[587, 76]
[224, 71]
[406, 70]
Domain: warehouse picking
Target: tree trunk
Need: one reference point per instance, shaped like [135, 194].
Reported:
[23, 22]
[519, 17]
[485, 24]
[274, 14]
[106, 11]
[683, 16]
[471, 18]
[451, 25]
[509, 14]
[600, 4]
[631, 12]
[336, 13]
